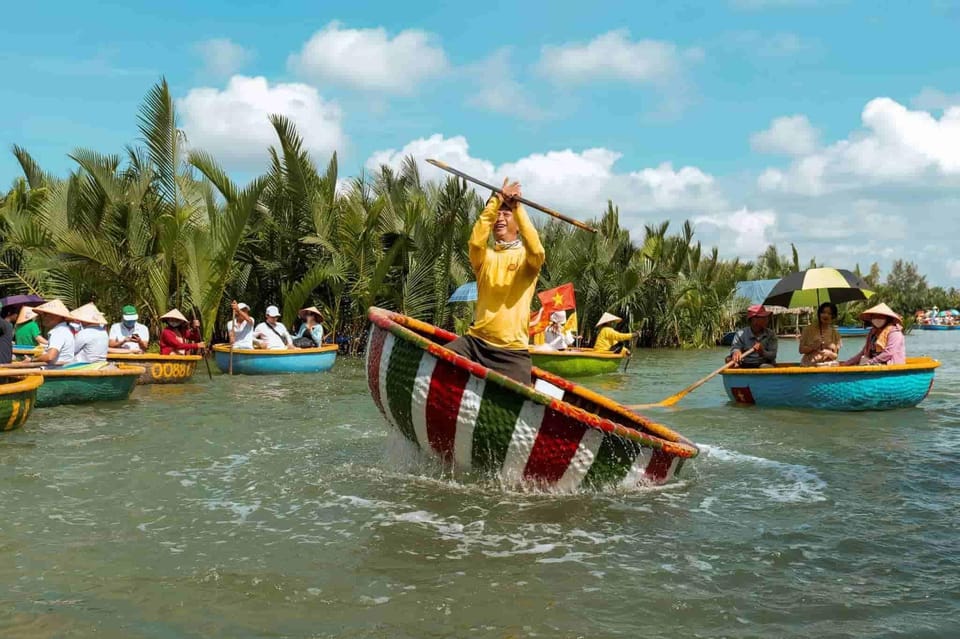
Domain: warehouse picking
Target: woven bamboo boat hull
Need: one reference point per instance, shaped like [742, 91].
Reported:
[81, 386]
[17, 399]
[558, 436]
[576, 362]
[160, 369]
[852, 331]
[842, 388]
[279, 362]
[939, 327]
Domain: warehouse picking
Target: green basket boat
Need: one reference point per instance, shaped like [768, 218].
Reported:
[80, 385]
[577, 362]
[17, 398]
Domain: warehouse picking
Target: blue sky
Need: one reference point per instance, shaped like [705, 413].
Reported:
[828, 124]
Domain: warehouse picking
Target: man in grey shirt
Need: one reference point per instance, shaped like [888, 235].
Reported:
[756, 345]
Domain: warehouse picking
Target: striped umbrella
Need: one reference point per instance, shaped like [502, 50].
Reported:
[817, 285]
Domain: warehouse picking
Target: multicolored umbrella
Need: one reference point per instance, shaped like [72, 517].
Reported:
[817, 285]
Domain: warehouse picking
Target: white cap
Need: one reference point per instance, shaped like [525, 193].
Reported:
[244, 306]
[273, 311]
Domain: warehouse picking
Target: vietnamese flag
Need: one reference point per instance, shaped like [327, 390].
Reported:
[560, 298]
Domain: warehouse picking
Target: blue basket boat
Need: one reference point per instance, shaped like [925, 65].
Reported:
[848, 388]
[853, 331]
[276, 362]
[939, 327]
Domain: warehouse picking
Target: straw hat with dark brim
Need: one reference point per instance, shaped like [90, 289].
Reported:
[310, 309]
[89, 314]
[26, 314]
[173, 315]
[606, 318]
[55, 308]
[880, 310]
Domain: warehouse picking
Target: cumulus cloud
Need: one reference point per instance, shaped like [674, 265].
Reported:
[931, 99]
[370, 59]
[896, 144]
[222, 57]
[579, 182]
[748, 231]
[233, 124]
[613, 56]
[510, 98]
[789, 135]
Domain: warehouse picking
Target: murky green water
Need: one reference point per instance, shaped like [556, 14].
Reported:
[282, 507]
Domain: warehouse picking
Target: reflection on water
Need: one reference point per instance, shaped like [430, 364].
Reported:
[282, 506]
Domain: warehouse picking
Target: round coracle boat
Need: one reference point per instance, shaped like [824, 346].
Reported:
[160, 369]
[939, 327]
[853, 331]
[555, 435]
[246, 361]
[23, 351]
[577, 362]
[845, 388]
[18, 395]
[81, 384]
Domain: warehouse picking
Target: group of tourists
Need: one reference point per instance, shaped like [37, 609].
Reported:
[81, 336]
[755, 346]
[558, 338]
[271, 334]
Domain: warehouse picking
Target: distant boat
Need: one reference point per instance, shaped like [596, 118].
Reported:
[160, 369]
[939, 327]
[843, 388]
[248, 361]
[853, 331]
[577, 362]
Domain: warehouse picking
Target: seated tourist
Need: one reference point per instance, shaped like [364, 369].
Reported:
[176, 338]
[820, 341]
[885, 343]
[27, 333]
[129, 335]
[240, 328]
[271, 334]
[91, 342]
[754, 346]
[554, 337]
[55, 318]
[310, 334]
[608, 338]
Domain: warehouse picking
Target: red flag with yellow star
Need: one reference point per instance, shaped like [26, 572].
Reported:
[560, 298]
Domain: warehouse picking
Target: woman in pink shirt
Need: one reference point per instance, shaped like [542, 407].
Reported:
[885, 343]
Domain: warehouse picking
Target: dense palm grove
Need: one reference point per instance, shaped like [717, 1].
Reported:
[162, 226]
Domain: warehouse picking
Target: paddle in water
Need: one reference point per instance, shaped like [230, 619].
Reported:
[205, 350]
[522, 200]
[673, 399]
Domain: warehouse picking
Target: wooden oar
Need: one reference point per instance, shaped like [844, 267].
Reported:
[205, 351]
[539, 207]
[673, 399]
[233, 338]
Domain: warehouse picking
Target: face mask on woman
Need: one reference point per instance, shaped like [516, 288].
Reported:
[129, 323]
[878, 322]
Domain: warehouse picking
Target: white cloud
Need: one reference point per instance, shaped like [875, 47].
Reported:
[509, 98]
[895, 145]
[772, 45]
[789, 135]
[370, 59]
[953, 269]
[233, 124]
[613, 56]
[578, 182]
[748, 231]
[931, 99]
[222, 57]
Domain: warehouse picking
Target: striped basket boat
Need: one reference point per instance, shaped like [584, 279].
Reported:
[556, 435]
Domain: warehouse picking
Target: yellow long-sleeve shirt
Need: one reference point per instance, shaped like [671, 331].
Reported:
[506, 280]
[607, 338]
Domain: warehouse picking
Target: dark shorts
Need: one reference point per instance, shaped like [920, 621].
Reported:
[514, 364]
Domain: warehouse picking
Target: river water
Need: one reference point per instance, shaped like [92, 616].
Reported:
[283, 507]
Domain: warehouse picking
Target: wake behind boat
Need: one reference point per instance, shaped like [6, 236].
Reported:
[555, 435]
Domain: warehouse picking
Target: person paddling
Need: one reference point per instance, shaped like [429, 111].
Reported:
[506, 276]
[754, 346]
[609, 337]
[176, 338]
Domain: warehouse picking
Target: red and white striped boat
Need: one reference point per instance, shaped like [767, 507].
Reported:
[554, 435]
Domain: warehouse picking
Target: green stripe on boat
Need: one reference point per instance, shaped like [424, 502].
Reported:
[401, 373]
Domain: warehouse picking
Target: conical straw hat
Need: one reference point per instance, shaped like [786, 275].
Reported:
[56, 308]
[309, 309]
[608, 317]
[26, 314]
[89, 314]
[174, 314]
[880, 310]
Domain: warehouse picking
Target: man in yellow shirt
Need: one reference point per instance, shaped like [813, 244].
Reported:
[506, 280]
[607, 338]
